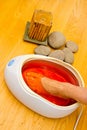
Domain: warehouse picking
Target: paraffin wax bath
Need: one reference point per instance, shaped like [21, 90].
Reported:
[32, 76]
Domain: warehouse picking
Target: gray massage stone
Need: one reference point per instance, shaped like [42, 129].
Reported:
[69, 56]
[59, 54]
[42, 50]
[56, 40]
[72, 46]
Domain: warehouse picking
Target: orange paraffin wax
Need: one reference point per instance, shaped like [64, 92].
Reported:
[32, 77]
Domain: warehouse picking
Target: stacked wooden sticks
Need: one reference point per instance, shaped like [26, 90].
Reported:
[40, 25]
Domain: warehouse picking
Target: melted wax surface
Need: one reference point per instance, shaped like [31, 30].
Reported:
[32, 76]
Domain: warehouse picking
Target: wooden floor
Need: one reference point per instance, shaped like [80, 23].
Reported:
[70, 18]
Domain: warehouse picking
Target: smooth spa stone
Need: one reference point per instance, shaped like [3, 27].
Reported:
[72, 46]
[59, 54]
[69, 56]
[42, 50]
[56, 40]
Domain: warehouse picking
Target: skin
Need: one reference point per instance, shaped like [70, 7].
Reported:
[65, 90]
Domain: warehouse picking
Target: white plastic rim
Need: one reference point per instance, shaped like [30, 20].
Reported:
[66, 65]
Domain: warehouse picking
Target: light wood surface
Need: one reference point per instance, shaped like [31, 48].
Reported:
[70, 18]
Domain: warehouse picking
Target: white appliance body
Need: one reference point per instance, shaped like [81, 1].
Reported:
[17, 85]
